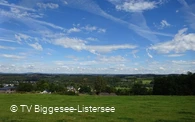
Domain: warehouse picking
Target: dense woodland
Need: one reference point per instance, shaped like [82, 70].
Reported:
[149, 84]
[175, 85]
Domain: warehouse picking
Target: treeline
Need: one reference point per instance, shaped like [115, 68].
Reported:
[183, 84]
[100, 85]
[42, 85]
[175, 85]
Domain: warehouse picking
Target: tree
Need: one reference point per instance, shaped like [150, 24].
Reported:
[139, 89]
[45, 86]
[85, 89]
[52, 87]
[175, 85]
[42, 85]
[25, 87]
[109, 89]
[122, 91]
[99, 84]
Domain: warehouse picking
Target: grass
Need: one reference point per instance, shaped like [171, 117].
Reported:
[145, 80]
[128, 108]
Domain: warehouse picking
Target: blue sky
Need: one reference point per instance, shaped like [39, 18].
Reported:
[97, 36]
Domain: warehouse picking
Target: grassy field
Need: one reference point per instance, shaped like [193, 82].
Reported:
[145, 80]
[128, 108]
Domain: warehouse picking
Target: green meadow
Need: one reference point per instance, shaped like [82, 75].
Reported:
[127, 108]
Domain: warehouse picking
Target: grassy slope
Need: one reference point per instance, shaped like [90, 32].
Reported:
[128, 108]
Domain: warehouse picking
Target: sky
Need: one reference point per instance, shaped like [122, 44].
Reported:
[97, 36]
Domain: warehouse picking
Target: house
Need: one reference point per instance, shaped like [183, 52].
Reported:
[7, 90]
[71, 89]
[8, 85]
[45, 92]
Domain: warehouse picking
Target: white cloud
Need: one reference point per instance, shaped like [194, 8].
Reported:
[101, 30]
[183, 62]
[21, 13]
[99, 67]
[71, 30]
[149, 55]
[48, 34]
[137, 5]
[136, 69]
[78, 44]
[108, 48]
[134, 53]
[36, 46]
[164, 23]
[94, 8]
[28, 18]
[92, 39]
[189, 13]
[59, 62]
[175, 66]
[161, 68]
[98, 64]
[21, 37]
[3, 1]
[6, 40]
[111, 59]
[65, 2]
[72, 57]
[180, 43]
[12, 56]
[16, 6]
[99, 61]
[6, 48]
[174, 55]
[48, 24]
[89, 28]
[74, 43]
[15, 10]
[47, 5]
[49, 53]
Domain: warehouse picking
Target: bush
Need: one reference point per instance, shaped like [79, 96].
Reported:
[123, 92]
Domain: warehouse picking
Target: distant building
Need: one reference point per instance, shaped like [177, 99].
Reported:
[7, 90]
[45, 92]
[32, 82]
[8, 85]
[72, 89]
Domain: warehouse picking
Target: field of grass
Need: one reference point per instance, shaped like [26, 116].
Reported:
[128, 108]
[145, 80]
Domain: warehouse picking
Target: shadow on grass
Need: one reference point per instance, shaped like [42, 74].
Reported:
[8, 120]
[62, 120]
[90, 117]
[185, 112]
[126, 119]
[162, 120]
[188, 119]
